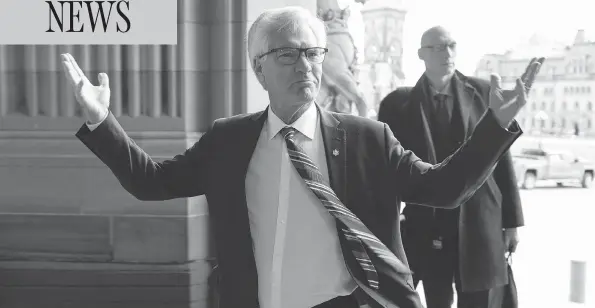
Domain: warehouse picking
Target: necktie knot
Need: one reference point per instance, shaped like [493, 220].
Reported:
[288, 132]
[440, 98]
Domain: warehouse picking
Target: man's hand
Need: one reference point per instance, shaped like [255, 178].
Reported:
[94, 100]
[531, 72]
[511, 239]
[506, 104]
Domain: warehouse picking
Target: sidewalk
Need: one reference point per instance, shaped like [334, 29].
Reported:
[559, 228]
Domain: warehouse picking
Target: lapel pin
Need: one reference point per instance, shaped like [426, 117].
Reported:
[336, 152]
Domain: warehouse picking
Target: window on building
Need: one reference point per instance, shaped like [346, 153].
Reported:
[564, 106]
[590, 106]
[589, 124]
[563, 123]
[543, 106]
[553, 106]
[534, 105]
[577, 106]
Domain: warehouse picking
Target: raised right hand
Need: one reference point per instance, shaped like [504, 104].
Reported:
[506, 103]
[94, 100]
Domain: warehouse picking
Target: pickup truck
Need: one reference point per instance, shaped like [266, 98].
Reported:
[533, 165]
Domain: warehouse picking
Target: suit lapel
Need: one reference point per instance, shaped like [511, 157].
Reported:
[245, 146]
[335, 146]
[418, 96]
[466, 95]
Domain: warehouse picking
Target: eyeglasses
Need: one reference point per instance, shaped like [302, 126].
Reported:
[442, 47]
[290, 55]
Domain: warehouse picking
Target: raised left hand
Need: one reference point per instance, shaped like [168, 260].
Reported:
[511, 239]
[506, 104]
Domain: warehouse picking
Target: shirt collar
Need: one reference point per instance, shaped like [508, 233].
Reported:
[305, 124]
[447, 90]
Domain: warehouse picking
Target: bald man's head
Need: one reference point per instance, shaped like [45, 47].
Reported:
[438, 51]
[433, 35]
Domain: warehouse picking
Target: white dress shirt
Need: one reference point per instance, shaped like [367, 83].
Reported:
[296, 247]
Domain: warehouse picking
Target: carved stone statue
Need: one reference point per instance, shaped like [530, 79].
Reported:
[339, 89]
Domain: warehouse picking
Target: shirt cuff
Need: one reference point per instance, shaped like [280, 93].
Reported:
[94, 126]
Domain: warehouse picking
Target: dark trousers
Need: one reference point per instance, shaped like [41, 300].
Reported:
[439, 273]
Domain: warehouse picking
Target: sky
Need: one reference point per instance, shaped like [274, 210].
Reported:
[481, 26]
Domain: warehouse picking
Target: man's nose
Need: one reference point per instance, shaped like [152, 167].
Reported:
[302, 64]
[450, 51]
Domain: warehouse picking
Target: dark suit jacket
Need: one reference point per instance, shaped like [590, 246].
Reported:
[494, 206]
[370, 174]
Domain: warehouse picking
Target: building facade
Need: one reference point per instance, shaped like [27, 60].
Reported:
[382, 71]
[562, 99]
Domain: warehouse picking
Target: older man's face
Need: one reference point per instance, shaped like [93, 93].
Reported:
[292, 83]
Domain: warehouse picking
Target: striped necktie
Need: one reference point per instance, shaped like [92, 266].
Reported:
[361, 240]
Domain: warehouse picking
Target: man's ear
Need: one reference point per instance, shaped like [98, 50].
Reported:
[259, 73]
[419, 54]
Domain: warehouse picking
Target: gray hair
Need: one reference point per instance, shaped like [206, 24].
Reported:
[288, 18]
